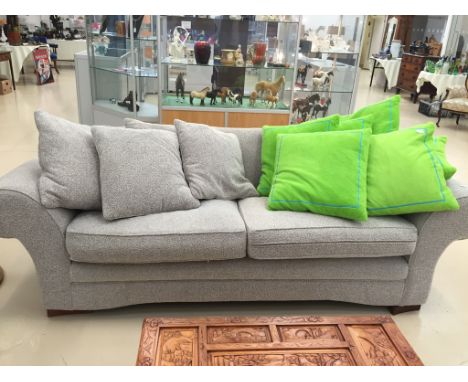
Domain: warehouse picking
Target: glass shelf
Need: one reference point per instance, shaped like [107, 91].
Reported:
[171, 100]
[186, 62]
[138, 72]
[115, 35]
[298, 89]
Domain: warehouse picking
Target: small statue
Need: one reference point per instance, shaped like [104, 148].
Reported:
[253, 98]
[238, 56]
[201, 95]
[180, 87]
[177, 48]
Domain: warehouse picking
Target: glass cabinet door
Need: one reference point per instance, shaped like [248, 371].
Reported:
[122, 53]
[327, 66]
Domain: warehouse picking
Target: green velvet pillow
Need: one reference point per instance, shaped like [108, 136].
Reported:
[404, 175]
[323, 173]
[385, 114]
[269, 145]
[356, 123]
[439, 148]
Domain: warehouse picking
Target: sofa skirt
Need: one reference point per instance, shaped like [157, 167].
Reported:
[106, 295]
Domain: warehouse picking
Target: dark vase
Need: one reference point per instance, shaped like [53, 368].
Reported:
[202, 52]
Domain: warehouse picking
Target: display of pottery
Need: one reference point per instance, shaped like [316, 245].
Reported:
[202, 51]
[227, 56]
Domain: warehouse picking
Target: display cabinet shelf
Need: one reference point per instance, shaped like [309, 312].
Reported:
[136, 72]
[187, 62]
[124, 66]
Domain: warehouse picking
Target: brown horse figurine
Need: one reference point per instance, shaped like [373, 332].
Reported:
[262, 87]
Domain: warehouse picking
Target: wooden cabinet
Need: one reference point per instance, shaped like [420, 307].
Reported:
[411, 65]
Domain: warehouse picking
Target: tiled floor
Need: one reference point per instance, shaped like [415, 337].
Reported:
[27, 337]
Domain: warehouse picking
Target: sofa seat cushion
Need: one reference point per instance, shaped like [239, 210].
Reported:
[381, 268]
[214, 231]
[275, 235]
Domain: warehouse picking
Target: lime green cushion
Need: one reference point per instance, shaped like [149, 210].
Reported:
[269, 145]
[365, 122]
[439, 148]
[323, 173]
[385, 114]
[404, 175]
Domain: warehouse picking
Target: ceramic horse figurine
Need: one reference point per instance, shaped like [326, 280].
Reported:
[262, 87]
[201, 95]
[320, 79]
[304, 105]
[180, 87]
[271, 100]
[322, 106]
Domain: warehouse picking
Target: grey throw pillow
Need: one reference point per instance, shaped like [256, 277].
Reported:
[69, 162]
[136, 124]
[212, 162]
[141, 172]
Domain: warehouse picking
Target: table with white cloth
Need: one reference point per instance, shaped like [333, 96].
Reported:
[67, 48]
[18, 55]
[391, 69]
[441, 82]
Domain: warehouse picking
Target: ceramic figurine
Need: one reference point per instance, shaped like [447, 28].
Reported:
[322, 106]
[223, 93]
[253, 98]
[201, 95]
[271, 100]
[180, 87]
[301, 74]
[262, 87]
[235, 96]
[177, 47]
[238, 56]
[213, 94]
[303, 106]
[3, 38]
[320, 79]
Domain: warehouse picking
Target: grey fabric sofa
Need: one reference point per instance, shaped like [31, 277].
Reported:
[225, 250]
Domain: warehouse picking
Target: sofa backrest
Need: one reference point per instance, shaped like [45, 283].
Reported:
[251, 145]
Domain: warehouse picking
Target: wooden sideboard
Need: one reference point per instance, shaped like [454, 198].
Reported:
[411, 65]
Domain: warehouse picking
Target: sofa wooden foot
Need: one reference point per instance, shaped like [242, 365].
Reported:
[403, 309]
[58, 312]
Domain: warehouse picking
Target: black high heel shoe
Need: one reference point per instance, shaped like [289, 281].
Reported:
[128, 102]
[127, 99]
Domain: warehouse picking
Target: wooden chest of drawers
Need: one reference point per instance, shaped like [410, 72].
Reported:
[411, 65]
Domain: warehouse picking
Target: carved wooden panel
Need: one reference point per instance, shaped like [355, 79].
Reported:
[261, 341]
[240, 334]
[307, 332]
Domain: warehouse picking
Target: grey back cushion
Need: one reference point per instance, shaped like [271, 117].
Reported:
[141, 172]
[136, 124]
[250, 140]
[69, 163]
[212, 162]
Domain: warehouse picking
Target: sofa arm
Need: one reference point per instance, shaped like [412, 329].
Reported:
[435, 232]
[40, 230]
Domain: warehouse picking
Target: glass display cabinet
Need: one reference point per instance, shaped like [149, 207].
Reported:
[123, 61]
[228, 70]
[327, 66]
